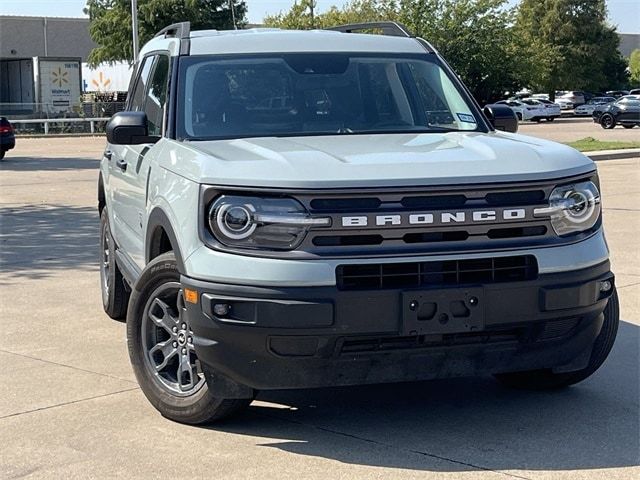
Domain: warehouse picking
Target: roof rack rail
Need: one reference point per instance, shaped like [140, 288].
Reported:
[178, 30]
[393, 29]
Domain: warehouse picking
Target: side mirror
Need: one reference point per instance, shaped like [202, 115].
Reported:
[129, 128]
[501, 117]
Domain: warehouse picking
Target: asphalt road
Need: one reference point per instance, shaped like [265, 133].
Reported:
[70, 406]
[576, 128]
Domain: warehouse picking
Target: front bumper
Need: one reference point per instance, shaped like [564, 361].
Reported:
[300, 337]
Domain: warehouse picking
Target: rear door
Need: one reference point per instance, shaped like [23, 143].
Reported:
[130, 163]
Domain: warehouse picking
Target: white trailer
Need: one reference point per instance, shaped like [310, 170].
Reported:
[106, 77]
[44, 85]
[58, 83]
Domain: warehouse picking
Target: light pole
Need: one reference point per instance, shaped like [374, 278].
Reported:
[134, 28]
[233, 15]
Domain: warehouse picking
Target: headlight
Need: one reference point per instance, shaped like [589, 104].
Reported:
[572, 208]
[261, 223]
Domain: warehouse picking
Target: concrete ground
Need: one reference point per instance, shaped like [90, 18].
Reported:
[70, 406]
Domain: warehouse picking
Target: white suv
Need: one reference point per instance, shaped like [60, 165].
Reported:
[293, 209]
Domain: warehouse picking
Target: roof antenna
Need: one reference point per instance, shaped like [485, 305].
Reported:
[233, 15]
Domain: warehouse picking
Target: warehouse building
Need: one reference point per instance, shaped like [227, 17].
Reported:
[43, 70]
[27, 37]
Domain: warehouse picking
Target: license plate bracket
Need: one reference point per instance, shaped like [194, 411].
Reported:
[439, 311]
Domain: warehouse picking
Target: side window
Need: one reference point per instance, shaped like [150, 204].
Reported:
[140, 89]
[156, 97]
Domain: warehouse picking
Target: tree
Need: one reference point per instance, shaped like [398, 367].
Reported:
[110, 22]
[634, 67]
[355, 11]
[570, 44]
[475, 36]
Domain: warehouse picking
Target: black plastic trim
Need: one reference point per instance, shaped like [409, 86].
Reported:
[393, 29]
[176, 30]
[159, 219]
[274, 351]
[170, 131]
[128, 267]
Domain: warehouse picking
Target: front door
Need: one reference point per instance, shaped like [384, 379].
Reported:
[130, 164]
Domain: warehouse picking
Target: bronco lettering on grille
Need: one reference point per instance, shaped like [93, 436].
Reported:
[435, 218]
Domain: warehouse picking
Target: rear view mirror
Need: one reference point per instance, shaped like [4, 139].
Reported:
[129, 128]
[501, 117]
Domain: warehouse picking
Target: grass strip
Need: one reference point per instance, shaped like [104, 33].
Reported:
[590, 144]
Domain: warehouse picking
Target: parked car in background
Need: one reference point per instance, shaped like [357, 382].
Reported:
[540, 96]
[599, 109]
[564, 103]
[618, 93]
[525, 109]
[635, 91]
[573, 97]
[587, 109]
[625, 112]
[7, 136]
[552, 109]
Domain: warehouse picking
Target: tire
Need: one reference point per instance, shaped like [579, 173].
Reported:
[629, 126]
[2, 152]
[607, 121]
[174, 383]
[550, 119]
[519, 116]
[115, 295]
[547, 380]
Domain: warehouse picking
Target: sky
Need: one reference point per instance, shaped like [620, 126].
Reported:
[623, 13]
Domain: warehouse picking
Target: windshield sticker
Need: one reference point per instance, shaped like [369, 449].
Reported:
[465, 117]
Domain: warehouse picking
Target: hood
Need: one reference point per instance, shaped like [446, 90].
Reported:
[348, 161]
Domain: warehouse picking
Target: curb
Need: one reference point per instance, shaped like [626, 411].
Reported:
[613, 154]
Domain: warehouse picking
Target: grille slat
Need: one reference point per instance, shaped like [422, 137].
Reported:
[448, 272]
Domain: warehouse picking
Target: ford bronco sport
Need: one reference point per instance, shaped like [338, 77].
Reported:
[294, 209]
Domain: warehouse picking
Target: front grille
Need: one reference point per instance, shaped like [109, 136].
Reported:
[447, 272]
[378, 222]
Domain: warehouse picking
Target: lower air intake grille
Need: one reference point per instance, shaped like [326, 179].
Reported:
[448, 272]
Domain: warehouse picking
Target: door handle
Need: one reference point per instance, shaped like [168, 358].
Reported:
[121, 164]
[108, 154]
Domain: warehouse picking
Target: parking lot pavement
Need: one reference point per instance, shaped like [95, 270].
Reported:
[70, 407]
[576, 128]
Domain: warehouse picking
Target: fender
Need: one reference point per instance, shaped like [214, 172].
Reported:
[158, 219]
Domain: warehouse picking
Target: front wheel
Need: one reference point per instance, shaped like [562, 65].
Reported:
[550, 119]
[2, 152]
[519, 116]
[162, 353]
[547, 380]
[607, 121]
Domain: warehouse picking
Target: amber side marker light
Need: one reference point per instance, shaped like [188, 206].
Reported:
[190, 296]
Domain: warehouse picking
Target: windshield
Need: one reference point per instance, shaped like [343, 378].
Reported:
[316, 94]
